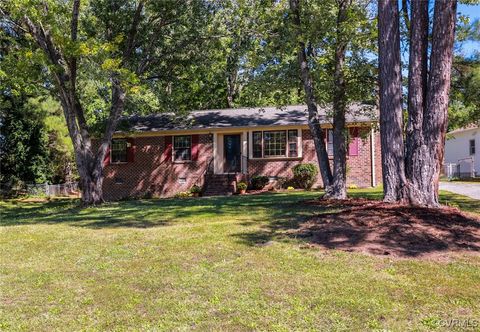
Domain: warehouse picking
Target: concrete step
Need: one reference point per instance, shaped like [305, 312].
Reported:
[219, 185]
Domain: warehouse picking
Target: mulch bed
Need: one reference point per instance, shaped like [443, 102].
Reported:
[380, 228]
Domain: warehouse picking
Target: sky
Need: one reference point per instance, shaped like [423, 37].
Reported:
[474, 13]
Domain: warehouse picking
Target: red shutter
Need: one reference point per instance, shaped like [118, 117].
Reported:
[354, 142]
[167, 153]
[106, 159]
[130, 150]
[195, 147]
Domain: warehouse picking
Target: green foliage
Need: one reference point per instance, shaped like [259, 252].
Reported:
[23, 142]
[242, 186]
[259, 181]
[464, 107]
[183, 194]
[195, 189]
[35, 146]
[61, 155]
[305, 175]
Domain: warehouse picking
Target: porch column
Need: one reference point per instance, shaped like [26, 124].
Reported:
[216, 159]
[244, 161]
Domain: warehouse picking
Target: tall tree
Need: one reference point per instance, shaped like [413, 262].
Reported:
[417, 93]
[121, 40]
[415, 178]
[89, 162]
[339, 186]
[323, 56]
[391, 117]
[307, 81]
[436, 116]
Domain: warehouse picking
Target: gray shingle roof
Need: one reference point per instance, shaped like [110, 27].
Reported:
[240, 117]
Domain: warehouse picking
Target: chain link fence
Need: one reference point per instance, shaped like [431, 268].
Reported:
[43, 189]
[463, 168]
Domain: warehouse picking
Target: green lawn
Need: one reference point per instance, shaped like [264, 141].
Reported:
[213, 264]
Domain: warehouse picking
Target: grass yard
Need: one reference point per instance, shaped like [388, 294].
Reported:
[217, 263]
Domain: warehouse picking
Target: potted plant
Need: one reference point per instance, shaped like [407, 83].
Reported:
[242, 188]
[196, 190]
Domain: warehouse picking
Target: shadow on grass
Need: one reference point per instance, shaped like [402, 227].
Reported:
[363, 225]
[144, 213]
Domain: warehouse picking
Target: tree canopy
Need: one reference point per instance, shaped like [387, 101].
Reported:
[178, 56]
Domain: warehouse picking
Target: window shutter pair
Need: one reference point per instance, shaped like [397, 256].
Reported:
[167, 153]
[130, 152]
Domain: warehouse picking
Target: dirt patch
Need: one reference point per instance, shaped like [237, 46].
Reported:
[389, 229]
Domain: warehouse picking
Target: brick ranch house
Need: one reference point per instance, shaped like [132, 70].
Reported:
[164, 154]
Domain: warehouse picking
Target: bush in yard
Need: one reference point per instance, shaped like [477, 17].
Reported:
[242, 186]
[305, 175]
[183, 194]
[195, 189]
[259, 181]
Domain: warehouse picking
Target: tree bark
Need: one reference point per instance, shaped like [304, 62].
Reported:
[391, 119]
[417, 92]
[232, 73]
[339, 187]
[232, 88]
[313, 122]
[89, 162]
[435, 118]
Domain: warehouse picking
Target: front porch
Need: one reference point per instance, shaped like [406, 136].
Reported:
[230, 152]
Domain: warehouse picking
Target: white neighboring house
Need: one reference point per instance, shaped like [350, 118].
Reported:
[462, 152]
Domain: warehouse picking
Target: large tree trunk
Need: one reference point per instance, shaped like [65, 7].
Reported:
[391, 118]
[339, 187]
[313, 122]
[435, 118]
[417, 92]
[89, 162]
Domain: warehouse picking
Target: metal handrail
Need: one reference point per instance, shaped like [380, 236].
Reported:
[242, 158]
[205, 172]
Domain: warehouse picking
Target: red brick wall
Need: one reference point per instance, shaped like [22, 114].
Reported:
[151, 173]
[358, 167]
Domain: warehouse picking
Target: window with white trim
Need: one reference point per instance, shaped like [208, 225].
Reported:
[472, 147]
[257, 144]
[182, 148]
[275, 144]
[119, 151]
[293, 143]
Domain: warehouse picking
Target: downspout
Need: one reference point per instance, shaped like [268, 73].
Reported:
[372, 157]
